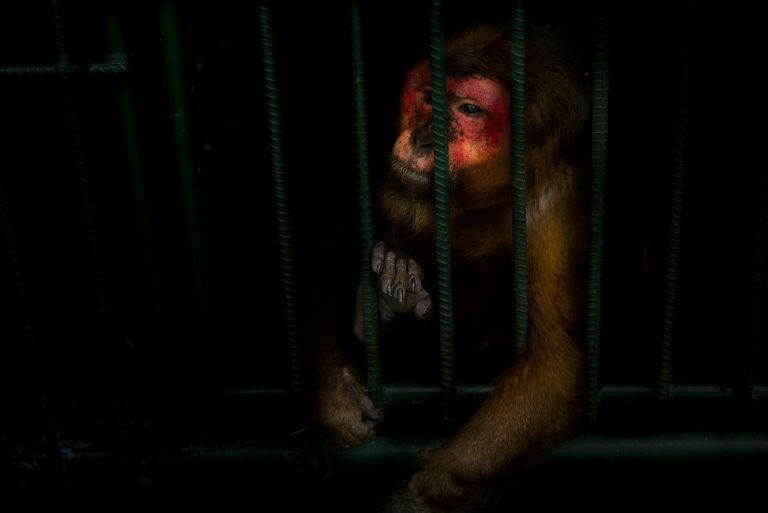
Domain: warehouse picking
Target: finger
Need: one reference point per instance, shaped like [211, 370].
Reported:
[400, 282]
[388, 274]
[369, 410]
[377, 257]
[423, 309]
[348, 439]
[414, 276]
[359, 432]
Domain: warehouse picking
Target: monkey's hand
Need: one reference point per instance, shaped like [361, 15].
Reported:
[401, 289]
[444, 485]
[343, 410]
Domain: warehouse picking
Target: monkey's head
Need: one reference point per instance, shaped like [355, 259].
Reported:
[478, 108]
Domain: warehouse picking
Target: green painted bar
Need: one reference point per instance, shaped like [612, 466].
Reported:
[759, 273]
[130, 133]
[404, 394]
[284, 229]
[117, 66]
[662, 447]
[519, 229]
[597, 208]
[676, 212]
[368, 279]
[442, 206]
[178, 105]
[90, 218]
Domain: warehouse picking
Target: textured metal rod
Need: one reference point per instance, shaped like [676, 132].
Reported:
[597, 207]
[179, 118]
[34, 71]
[676, 212]
[127, 113]
[24, 317]
[116, 66]
[604, 448]
[365, 209]
[442, 206]
[417, 394]
[284, 230]
[759, 273]
[90, 221]
[519, 232]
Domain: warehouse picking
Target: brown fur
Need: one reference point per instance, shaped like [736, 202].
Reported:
[537, 400]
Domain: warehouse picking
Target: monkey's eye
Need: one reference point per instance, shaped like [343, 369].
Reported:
[428, 97]
[470, 109]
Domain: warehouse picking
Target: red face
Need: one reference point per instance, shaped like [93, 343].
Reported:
[478, 118]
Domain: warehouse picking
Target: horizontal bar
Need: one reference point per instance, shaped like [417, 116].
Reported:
[588, 448]
[398, 394]
[664, 446]
[29, 71]
[114, 66]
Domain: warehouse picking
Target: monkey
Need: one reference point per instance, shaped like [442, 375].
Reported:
[536, 402]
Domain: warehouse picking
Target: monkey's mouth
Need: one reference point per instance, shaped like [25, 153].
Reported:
[410, 177]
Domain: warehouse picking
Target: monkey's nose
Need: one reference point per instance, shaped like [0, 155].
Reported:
[422, 138]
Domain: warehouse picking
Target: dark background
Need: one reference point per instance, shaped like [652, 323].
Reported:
[177, 368]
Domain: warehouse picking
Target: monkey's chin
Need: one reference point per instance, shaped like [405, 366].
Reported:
[410, 178]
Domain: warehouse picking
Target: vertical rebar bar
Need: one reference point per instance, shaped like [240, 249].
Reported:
[759, 273]
[595, 267]
[90, 220]
[178, 114]
[284, 230]
[24, 316]
[365, 209]
[126, 111]
[519, 233]
[676, 211]
[442, 206]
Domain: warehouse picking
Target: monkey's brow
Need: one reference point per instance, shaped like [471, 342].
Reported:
[455, 96]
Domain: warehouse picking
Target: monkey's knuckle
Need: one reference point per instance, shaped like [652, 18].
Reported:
[436, 493]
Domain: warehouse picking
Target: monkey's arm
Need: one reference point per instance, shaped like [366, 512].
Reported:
[537, 402]
[342, 409]
[342, 412]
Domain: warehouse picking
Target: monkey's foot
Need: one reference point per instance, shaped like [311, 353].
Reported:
[344, 411]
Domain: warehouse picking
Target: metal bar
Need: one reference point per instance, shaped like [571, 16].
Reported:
[605, 448]
[127, 114]
[519, 231]
[284, 231]
[394, 394]
[759, 273]
[442, 206]
[370, 309]
[36, 71]
[595, 268]
[678, 179]
[24, 318]
[90, 221]
[170, 36]
[116, 66]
